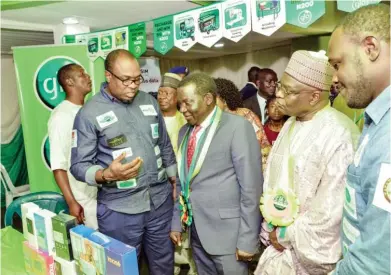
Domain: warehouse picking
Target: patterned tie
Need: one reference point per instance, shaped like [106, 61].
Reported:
[192, 144]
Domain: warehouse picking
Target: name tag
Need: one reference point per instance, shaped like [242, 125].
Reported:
[116, 141]
[106, 119]
[117, 153]
[159, 163]
[382, 197]
[155, 130]
[74, 138]
[350, 201]
[161, 175]
[127, 184]
[157, 150]
[148, 110]
[349, 230]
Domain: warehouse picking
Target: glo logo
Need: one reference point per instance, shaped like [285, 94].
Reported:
[46, 152]
[46, 85]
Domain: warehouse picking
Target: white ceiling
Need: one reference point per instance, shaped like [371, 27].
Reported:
[100, 15]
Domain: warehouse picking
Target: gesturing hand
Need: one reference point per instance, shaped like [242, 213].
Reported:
[119, 171]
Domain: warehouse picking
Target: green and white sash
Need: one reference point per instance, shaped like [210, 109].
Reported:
[200, 152]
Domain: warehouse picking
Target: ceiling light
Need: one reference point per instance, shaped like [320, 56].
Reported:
[70, 21]
[219, 45]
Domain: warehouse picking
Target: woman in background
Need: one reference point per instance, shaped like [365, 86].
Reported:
[275, 119]
[229, 100]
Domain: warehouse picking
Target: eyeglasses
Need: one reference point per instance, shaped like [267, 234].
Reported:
[127, 82]
[288, 92]
[284, 90]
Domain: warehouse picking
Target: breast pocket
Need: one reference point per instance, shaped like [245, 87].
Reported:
[229, 213]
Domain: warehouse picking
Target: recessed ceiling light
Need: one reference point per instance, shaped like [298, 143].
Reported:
[70, 21]
[219, 45]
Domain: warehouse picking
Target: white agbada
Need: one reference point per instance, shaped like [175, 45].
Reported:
[62, 138]
[322, 148]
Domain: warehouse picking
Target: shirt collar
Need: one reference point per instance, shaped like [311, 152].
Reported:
[208, 119]
[252, 83]
[107, 95]
[379, 107]
[261, 98]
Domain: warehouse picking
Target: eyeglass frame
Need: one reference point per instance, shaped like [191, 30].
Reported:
[141, 79]
[287, 93]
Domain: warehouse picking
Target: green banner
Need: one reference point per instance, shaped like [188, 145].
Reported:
[352, 5]
[303, 13]
[39, 93]
[69, 39]
[137, 39]
[163, 34]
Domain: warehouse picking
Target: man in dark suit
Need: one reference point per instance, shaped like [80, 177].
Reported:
[219, 184]
[266, 82]
[251, 87]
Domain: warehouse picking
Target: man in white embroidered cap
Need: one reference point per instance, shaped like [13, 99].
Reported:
[305, 175]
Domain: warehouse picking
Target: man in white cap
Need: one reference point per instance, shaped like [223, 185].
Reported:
[305, 175]
[167, 97]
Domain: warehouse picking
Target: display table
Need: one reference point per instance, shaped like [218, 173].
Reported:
[12, 260]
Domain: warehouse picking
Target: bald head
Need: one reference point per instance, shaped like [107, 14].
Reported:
[113, 56]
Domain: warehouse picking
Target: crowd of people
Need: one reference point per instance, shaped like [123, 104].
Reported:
[216, 178]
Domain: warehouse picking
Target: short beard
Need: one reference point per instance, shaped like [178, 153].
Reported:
[361, 97]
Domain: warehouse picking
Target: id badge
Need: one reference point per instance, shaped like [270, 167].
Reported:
[127, 184]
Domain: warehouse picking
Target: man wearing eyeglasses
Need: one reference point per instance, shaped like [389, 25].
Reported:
[305, 175]
[122, 146]
[168, 102]
[266, 83]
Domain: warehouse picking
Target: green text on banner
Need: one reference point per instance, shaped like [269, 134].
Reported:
[237, 19]
[210, 21]
[353, 5]
[137, 39]
[304, 13]
[39, 93]
[185, 30]
[267, 16]
[163, 34]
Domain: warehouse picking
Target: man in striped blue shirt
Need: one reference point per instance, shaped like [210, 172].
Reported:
[120, 143]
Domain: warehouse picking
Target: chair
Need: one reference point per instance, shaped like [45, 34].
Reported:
[51, 201]
[11, 192]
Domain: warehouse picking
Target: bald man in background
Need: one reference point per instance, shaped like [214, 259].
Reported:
[80, 197]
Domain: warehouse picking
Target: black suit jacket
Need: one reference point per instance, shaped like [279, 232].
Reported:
[248, 91]
[253, 104]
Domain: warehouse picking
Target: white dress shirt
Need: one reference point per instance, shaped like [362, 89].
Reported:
[262, 106]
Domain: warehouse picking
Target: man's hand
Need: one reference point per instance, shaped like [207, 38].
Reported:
[176, 238]
[243, 256]
[274, 240]
[119, 171]
[173, 183]
[76, 210]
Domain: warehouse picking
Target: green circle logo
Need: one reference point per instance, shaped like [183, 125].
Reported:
[280, 202]
[46, 85]
[347, 195]
[46, 152]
